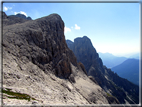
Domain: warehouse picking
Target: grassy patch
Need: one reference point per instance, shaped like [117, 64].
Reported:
[16, 95]
[109, 95]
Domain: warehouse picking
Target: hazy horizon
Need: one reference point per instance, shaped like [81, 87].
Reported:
[112, 27]
[127, 55]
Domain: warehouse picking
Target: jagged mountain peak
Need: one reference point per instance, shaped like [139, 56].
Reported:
[55, 16]
[84, 38]
[52, 18]
[21, 16]
[69, 41]
[84, 45]
[85, 41]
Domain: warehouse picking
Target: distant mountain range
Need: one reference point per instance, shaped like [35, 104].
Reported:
[129, 69]
[136, 56]
[110, 60]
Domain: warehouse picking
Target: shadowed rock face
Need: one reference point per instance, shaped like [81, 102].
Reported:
[108, 80]
[17, 16]
[4, 16]
[23, 16]
[13, 19]
[85, 53]
[42, 41]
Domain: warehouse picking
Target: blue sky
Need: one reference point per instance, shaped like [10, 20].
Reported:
[112, 27]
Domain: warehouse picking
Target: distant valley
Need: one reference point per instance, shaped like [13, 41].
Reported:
[129, 69]
[110, 60]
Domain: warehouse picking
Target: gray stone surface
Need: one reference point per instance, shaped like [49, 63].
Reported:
[38, 64]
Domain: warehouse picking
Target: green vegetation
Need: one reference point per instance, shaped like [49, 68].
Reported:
[16, 95]
[109, 95]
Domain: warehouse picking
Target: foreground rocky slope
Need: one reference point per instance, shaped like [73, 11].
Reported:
[122, 89]
[39, 68]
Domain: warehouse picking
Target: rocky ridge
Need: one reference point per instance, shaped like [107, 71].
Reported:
[14, 19]
[122, 89]
[21, 16]
[39, 68]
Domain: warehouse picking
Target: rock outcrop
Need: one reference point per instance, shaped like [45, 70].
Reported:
[108, 80]
[14, 19]
[39, 68]
[41, 41]
[22, 16]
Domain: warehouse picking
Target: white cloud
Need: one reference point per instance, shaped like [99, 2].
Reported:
[77, 27]
[66, 29]
[7, 8]
[21, 12]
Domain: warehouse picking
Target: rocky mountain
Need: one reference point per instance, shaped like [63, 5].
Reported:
[110, 60]
[21, 16]
[39, 68]
[14, 19]
[122, 89]
[129, 69]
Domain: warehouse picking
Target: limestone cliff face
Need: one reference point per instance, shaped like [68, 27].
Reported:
[86, 53]
[39, 68]
[41, 41]
[108, 80]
